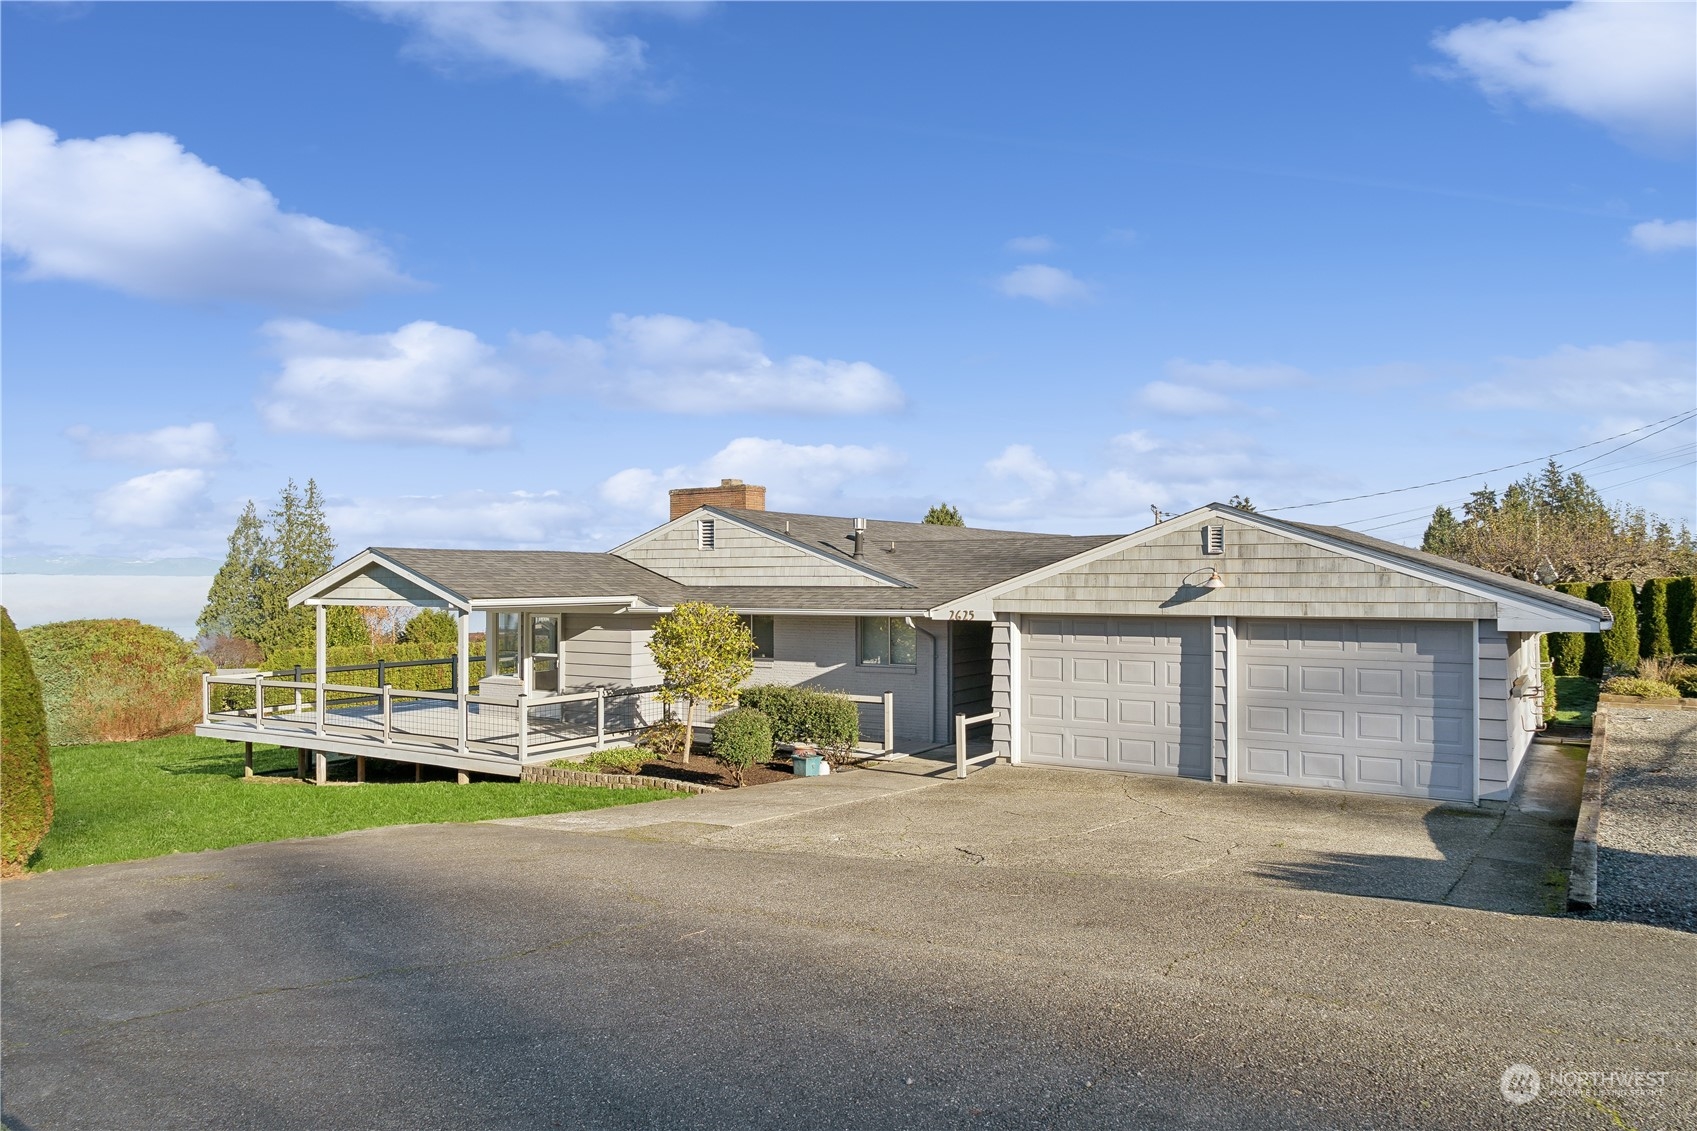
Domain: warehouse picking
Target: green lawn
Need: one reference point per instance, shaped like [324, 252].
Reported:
[1576, 699]
[129, 800]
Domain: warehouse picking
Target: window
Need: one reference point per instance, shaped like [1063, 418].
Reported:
[703, 534]
[1213, 539]
[888, 640]
[761, 627]
[507, 643]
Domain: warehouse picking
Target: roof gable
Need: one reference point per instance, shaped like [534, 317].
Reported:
[745, 553]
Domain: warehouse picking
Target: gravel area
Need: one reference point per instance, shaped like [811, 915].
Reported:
[1647, 838]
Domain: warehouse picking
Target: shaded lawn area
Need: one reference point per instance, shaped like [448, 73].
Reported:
[1576, 700]
[129, 800]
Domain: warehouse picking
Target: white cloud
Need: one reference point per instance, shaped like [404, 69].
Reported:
[1227, 375]
[1142, 470]
[159, 498]
[1187, 400]
[140, 214]
[511, 519]
[665, 363]
[178, 445]
[796, 476]
[563, 42]
[1650, 377]
[1629, 67]
[1030, 245]
[1663, 235]
[422, 384]
[1052, 285]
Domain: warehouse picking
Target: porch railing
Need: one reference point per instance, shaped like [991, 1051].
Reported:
[962, 722]
[888, 702]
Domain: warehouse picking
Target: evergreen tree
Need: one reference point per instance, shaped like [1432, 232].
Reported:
[1614, 649]
[1441, 533]
[943, 515]
[1567, 649]
[1241, 502]
[235, 606]
[1654, 639]
[300, 548]
[26, 774]
[1682, 615]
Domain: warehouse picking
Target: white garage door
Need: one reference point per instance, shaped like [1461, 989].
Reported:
[1373, 706]
[1117, 693]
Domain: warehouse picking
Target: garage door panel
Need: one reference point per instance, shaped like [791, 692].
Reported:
[1378, 706]
[1133, 693]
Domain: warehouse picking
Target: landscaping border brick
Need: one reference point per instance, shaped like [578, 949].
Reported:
[552, 775]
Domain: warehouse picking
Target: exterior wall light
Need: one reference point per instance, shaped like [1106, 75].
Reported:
[1215, 581]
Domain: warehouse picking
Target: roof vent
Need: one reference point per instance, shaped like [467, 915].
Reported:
[860, 537]
[1213, 539]
[704, 534]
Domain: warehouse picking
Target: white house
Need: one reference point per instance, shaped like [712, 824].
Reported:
[1221, 645]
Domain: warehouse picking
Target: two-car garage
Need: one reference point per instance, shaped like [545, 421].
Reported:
[1361, 705]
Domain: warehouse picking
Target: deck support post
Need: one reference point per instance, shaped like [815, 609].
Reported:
[247, 759]
[418, 771]
[889, 721]
[320, 767]
[600, 718]
[359, 769]
[300, 763]
[320, 644]
[462, 676]
[462, 778]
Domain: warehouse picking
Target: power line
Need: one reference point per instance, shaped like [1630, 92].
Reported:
[1670, 421]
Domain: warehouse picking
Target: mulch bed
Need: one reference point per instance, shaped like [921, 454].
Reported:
[703, 769]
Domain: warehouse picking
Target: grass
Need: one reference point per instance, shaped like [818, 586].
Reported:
[1576, 700]
[131, 800]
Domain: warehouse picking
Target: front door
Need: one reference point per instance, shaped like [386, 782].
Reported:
[544, 653]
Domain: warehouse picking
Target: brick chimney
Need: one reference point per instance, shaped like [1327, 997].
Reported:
[729, 493]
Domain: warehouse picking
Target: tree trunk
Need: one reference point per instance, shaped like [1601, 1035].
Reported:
[689, 728]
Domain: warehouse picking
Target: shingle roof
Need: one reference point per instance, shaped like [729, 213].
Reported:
[1447, 565]
[494, 575]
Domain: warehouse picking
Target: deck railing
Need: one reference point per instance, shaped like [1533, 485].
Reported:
[962, 722]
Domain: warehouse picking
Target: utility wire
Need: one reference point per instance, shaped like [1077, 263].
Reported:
[1670, 421]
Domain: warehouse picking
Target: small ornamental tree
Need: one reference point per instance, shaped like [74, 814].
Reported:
[943, 515]
[26, 775]
[431, 626]
[1654, 639]
[704, 653]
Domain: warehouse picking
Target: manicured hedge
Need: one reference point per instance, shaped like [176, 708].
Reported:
[114, 680]
[802, 714]
[26, 775]
[742, 737]
[1615, 649]
[1682, 615]
[1567, 649]
[1654, 638]
[1547, 676]
[431, 626]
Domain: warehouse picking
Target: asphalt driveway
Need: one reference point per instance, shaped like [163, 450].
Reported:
[503, 975]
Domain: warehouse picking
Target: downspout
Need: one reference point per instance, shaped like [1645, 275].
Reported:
[936, 658]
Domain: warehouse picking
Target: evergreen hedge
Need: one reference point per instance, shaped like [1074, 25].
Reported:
[1654, 639]
[114, 680]
[742, 737]
[802, 714]
[1567, 649]
[1682, 615]
[1614, 649]
[26, 774]
[1547, 676]
[425, 677]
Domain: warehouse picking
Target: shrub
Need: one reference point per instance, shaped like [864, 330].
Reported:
[1547, 676]
[1653, 636]
[431, 626]
[613, 760]
[741, 737]
[666, 739]
[1682, 614]
[1567, 649]
[1634, 685]
[1666, 669]
[233, 652]
[1618, 645]
[26, 775]
[802, 714]
[114, 680]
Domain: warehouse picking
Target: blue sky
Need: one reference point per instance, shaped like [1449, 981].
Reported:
[499, 275]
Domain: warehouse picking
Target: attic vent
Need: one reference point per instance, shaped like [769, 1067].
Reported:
[1213, 539]
[703, 534]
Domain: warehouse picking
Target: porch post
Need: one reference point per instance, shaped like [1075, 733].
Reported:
[462, 676]
[320, 644]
